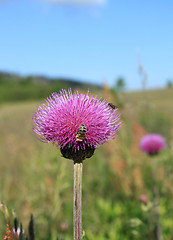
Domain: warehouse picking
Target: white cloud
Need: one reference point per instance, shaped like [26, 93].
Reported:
[76, 2]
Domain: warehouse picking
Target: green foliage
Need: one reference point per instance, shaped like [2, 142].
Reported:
[169, 84]
[120, 84]
[17, 88]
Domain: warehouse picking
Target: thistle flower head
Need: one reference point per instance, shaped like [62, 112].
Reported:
[76, 123]
[152, 144]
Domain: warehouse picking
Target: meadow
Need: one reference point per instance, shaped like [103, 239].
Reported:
[35, 178]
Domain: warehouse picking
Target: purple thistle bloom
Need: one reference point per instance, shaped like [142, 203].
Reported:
[64, 116]
[152, 144]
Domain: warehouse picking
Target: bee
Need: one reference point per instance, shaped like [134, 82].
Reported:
[81, 131]
[112, 106]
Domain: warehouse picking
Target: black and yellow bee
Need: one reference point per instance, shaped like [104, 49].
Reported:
[81, 132]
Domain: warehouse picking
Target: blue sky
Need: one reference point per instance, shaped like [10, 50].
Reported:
[97, 41]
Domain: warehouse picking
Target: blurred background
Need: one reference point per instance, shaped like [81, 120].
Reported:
[120, 50]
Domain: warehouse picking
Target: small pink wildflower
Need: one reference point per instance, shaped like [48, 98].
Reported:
[58, 119]
[152, 144]
[143, 198]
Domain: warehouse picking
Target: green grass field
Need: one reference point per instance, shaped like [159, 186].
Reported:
[34, 178]
[161, 99]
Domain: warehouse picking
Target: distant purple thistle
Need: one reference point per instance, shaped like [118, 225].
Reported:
[152, 144]
[58, 121]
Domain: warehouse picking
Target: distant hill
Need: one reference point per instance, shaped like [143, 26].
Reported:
[14, 87]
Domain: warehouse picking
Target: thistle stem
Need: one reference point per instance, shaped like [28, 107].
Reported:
[77, 204]
[156, 201]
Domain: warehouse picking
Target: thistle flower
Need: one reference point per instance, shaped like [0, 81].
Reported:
[77, 123]
[152, 144]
